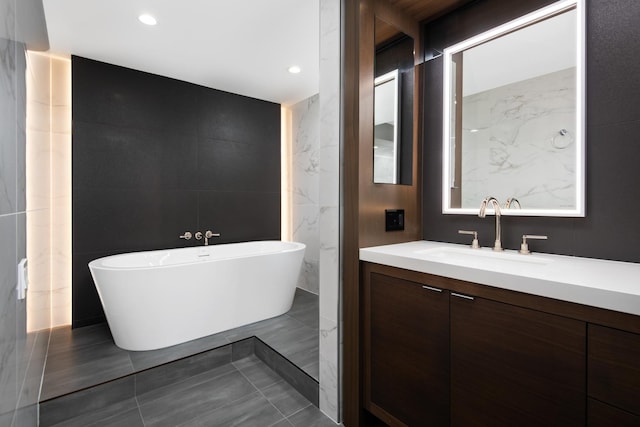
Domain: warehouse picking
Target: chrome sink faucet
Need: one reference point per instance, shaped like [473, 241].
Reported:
[496, 209]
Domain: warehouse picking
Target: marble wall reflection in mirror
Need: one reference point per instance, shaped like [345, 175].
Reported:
[514, 114]
[393, 105]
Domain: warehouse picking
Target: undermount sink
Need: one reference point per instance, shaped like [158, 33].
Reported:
[480, 257]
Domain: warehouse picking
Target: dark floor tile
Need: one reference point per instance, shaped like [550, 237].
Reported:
[131, 418]
[285, 398]
[304, 298]
[86, 355]
[301, 345]
[242, 349]
[180, 406]
[311, 417]
[180, 370]
[186, 384]
[313, 369]
[64, 339]
[259, 374]
[6, 418]
[94, 399]
[86, 367]
[146, 359]
[264, 329]
[304, 355]
[283, 423]
[249, 411]
[25, 416]
[292, 374]
[124, 413]
[310, 317]
[303, 301]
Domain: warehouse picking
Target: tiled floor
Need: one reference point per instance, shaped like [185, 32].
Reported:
[84, 357]
[243, 393]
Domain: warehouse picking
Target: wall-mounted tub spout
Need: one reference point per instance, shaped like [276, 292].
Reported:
[207, 235]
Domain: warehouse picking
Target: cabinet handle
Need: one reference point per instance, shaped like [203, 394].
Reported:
[462, 296]
[429, 288]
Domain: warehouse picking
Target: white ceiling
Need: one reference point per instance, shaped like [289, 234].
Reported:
[239, 46]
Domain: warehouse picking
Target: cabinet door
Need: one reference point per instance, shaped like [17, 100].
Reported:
[406, 352]
[512, 366]
[603, 415]
[614, 367]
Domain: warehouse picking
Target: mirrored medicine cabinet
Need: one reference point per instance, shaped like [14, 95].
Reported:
[393, 105]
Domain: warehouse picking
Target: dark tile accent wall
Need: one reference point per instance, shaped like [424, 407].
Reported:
[610, 230]
[154, 157]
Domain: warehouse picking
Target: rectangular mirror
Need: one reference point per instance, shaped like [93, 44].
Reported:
[514, 116]
[393, 105]
[386, 132]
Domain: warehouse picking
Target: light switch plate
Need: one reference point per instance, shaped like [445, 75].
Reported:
[394, 219]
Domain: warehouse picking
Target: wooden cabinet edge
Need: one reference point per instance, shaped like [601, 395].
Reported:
[595, 315]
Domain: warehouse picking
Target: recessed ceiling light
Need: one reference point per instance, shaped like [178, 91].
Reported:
[147, 19]
[294, 69]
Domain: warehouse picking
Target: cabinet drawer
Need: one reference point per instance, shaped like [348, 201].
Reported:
[614, 367]
[603, 415]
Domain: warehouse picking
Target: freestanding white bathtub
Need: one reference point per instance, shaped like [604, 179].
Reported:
[157, 299]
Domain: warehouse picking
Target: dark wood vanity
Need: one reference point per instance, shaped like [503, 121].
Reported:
[441, 351]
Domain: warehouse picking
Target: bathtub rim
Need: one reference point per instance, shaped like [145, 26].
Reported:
[288, 246]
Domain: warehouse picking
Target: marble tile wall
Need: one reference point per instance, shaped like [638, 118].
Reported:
[21, 353]
[329, 219]
[305, 187]
[49, 191]
[39, 195]
[60, 191]
[512, 133]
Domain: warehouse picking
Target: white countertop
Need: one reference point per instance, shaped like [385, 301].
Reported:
[606, 284]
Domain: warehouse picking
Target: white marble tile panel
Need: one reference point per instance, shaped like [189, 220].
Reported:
[305, 187]
[329, 384]
[61, 306]
[61, 95]
[38, 170]
[38, 86]
[306, 230]
[517, 148]
[329, 264]
[330, 166]
[305, 148]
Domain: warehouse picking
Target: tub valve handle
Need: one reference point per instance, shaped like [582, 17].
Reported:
[199, 235]
[186, 236]
[209, 234]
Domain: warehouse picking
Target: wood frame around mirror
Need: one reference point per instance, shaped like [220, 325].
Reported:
[452, 52]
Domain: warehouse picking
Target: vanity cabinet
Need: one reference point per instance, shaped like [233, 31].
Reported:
[407, 363]
[515, 366]
[446, 352]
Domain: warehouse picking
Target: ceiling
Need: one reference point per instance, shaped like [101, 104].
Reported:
[240, 46]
